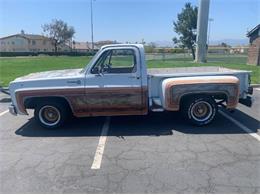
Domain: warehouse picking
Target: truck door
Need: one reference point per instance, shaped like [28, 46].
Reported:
[114, 85]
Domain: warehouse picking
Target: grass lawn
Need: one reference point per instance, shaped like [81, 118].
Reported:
[13, 67]
[232, 62]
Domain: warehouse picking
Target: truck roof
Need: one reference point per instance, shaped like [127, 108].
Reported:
[139, 46]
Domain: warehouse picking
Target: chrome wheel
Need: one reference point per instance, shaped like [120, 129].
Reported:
[201, 111]
[49, 115]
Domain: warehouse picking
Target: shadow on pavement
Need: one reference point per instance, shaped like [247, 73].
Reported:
[154, 124]
[5, 100]
[245, 119]
[73, 128]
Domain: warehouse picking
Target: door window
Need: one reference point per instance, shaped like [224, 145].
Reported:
[116, 61]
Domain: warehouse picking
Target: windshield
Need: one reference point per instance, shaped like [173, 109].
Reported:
[87, 66]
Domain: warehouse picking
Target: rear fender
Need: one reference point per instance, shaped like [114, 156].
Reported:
[173, 89]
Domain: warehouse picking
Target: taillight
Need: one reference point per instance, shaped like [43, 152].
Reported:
[249, 79]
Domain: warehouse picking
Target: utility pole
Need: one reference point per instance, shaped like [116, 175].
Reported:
[202, 26]
[92, 36]
[210, 20]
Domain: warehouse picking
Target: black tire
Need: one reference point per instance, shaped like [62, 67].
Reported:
[51, 115]
[199, 110]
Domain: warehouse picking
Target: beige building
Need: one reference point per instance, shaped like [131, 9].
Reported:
[218, 49]
[87, 46]
[99, 44]
[37, 43]
[28, 43]
[83, 46]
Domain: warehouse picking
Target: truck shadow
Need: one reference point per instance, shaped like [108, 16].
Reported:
[154, 124]
[5, 100]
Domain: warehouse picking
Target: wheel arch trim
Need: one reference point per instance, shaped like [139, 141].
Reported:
[21, 100]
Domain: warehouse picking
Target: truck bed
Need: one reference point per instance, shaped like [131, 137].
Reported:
[202, 70]
[157, 75]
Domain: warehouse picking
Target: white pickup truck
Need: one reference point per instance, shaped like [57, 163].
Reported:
[116, 82]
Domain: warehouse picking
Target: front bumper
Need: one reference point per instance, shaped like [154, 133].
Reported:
[12, 110]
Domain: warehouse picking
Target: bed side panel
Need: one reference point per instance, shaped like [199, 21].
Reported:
[175, 88]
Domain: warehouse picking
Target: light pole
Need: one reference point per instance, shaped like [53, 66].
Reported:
[210, 20]
[202, 28]
[91, 17]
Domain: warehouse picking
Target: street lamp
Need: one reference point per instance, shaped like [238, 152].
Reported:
[91, 17]
[210, 20]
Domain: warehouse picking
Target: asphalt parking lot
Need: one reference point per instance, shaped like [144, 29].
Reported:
[158, 153]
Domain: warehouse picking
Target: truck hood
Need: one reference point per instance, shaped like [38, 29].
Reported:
[51, 74]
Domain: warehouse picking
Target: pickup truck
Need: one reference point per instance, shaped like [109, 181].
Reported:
[117, 82]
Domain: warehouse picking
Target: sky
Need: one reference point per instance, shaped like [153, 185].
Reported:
[126, 20]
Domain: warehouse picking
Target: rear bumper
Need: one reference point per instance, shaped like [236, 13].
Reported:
[12, 110]
[248, 101]
[250, 90]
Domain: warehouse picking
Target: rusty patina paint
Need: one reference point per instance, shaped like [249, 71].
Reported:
[175, 89]
[95, 101]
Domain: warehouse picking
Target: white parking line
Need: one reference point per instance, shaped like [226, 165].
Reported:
[258, 89]
[2, 113]
[101, 145]
[249, 131]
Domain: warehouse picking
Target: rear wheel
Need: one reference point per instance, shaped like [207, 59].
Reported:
[51, 115]
[199, 110]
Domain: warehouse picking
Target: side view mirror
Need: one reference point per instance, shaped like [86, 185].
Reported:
[95, 70]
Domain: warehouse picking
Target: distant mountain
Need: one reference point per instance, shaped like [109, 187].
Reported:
[164, 43]
[232, 42]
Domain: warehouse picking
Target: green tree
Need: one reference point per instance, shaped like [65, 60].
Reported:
[185, 27]
[223, 44]
[59, 32]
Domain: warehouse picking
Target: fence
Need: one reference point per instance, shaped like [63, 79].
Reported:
[212, 57]
[237, 58]
[167, 56]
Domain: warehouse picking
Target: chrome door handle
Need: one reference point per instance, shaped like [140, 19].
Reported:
[134, 77]
[99, 75]
[78, 82]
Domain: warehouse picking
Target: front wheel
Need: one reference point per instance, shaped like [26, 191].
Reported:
[199, 110]
[51, 115]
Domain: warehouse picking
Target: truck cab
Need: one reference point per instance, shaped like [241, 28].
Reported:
[118, 75]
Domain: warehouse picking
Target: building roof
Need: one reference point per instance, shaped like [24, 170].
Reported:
[105, 42]
[27, 36]
[253, 30]
[80, 45]
[32, 36]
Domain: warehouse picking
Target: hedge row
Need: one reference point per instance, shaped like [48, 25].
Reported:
[14, 54]
[73, 53]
